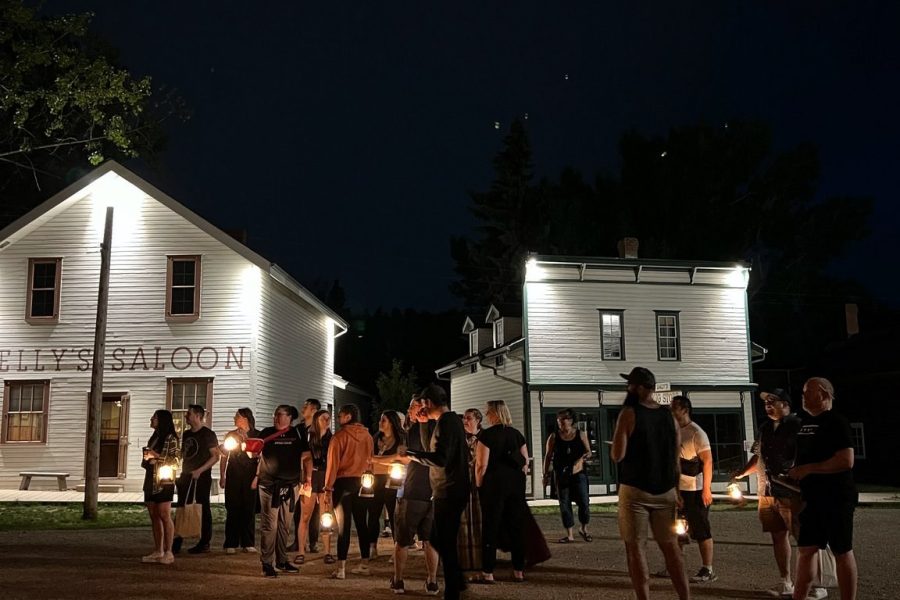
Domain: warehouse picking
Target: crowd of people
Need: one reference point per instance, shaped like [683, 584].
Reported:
[454, 486]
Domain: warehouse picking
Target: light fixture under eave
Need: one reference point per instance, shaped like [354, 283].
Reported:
[124, 197]
[738, 277]
[533, 271]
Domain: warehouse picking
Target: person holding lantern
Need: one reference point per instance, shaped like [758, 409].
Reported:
[281, 464]
[160, 454]
[646, 447]
[237, 468]
[349, 458]
[414, 514]
[319, 432]
[387, 442]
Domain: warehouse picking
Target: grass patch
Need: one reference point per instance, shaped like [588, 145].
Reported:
[34, 516]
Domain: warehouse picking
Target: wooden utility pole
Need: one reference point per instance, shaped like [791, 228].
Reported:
[95, 406]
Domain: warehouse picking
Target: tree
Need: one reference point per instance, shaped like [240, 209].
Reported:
[395, 388]
[66, 105]
[511, 221]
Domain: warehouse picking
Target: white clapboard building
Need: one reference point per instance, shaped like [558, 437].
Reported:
[194, 317]
[583, 321]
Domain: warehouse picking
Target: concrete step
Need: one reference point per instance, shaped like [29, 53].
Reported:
[111, 488]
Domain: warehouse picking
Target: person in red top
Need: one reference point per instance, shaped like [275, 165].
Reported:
[349, 455]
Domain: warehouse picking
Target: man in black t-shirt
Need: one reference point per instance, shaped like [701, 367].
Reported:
[199, 452]
[281, 462]
[824, 470]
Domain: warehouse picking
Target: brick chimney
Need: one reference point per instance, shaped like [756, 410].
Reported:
[628, 247]
[851, 315]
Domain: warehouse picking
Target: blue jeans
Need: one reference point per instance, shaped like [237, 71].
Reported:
[577, 492]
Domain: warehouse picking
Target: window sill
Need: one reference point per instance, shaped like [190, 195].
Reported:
[42, 320]
[182, 318]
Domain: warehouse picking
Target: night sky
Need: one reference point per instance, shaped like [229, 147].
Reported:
[344, 136]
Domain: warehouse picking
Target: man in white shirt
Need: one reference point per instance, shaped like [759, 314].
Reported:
[695, 485]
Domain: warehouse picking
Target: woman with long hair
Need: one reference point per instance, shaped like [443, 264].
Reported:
[319, 438]
[237, 468]
[161, 450]
[501, 461]
[469, 540]
[387, 442]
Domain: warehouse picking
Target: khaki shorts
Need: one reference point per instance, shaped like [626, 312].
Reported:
[639, 509]
[780, 514]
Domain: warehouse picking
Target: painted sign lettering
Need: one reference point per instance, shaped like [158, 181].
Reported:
[124, 358]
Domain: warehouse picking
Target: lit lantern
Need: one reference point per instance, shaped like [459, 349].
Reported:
[367, 485]
[681, 526]
[166, 473]
[396, 475]
[327, 522]
[231, 443]
[734, 491]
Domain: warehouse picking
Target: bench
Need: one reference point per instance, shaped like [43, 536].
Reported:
[27, 475]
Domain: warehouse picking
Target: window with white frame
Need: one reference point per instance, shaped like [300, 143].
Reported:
[498, 333]
[25, 410]
[473, 343]
[612, 334]
[182, 393]
[858, 437]
[668, 332]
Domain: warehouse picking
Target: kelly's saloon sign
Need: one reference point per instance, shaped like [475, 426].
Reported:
[129, 358]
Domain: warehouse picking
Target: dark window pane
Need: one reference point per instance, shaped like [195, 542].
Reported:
[42, 303]
[182, 301]
[183, 272]
[44, 275]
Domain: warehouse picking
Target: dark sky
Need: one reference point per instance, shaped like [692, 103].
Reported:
[344, 136]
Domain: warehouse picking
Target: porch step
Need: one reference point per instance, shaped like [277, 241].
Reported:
[112, 488]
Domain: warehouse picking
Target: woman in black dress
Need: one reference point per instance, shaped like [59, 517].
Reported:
[388, 440]
[319, 437]
[501, 458]
[237, 468]
[161, 450]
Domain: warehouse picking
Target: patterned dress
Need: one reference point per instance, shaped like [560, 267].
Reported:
[469, 539]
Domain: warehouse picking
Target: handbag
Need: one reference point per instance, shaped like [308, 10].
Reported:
[188, 516]
[827, 568]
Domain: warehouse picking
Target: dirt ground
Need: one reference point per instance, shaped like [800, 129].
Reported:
[105, 564]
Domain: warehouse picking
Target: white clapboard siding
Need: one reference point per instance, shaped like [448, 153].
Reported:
[564, 332]
[295, 346]
[473, 390]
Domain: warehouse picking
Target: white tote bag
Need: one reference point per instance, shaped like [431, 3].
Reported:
[827, 569]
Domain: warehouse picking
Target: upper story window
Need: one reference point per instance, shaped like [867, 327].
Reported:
[668, 336]
[612, 334]
[183, 288]
[44, 276]
[857, 431]
[25, 411]
[498, 333]
[473, 343]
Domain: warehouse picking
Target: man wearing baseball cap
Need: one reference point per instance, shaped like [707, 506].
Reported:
[646, 447]
[779, 500]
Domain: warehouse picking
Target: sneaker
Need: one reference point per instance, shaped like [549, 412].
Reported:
[230, 550]
[704, 575]
[361, 570]
[250, 549]
[198, 549]
[397, 586]
[339, 574]
[269, 571]
[664, 574]
[817, 593]
[167, 559]
[782, 589]
[386, 532]
[431, 588]
[152, 558]
[287, 567]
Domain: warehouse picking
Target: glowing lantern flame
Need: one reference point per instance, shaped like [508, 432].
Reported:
[166, 473]
[327, 520]
[230, 444]
[681, 526]
[367, 480]
[734, 491]
[397, 470]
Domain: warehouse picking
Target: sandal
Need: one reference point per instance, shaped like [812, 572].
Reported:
[481, 579]
[586, 536]
[299, 559]
[565, 540]
[519, 579]
[329, 559]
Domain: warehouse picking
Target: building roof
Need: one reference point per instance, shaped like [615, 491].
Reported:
[468, 359]
[81, 188]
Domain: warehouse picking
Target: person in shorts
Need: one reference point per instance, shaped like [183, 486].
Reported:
[645, 447]
[414, 513]
[824, 468]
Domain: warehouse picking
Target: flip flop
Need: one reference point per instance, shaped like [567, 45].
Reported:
[299, 559]
[565, 540]
[586, 536]
[329, 559]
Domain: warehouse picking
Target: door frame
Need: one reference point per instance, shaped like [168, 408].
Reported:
[122, 468]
